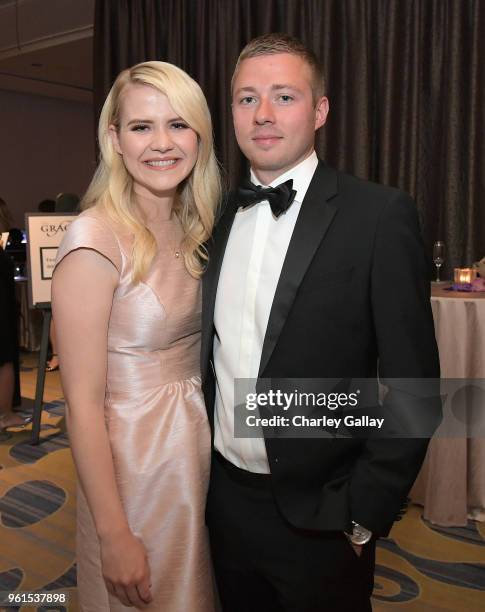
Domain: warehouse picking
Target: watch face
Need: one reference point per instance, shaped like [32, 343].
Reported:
[360, 540]
[360, 535]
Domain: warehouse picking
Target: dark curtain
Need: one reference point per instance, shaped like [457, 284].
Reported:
[406, 84]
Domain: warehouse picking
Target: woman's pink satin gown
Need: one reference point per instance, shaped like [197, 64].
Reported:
[156, 420]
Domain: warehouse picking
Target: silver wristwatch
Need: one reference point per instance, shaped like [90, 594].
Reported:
[360, 535]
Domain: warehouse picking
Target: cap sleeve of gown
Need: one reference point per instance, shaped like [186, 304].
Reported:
[88, 231]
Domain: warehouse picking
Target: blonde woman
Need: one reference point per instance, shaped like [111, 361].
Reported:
[126, 301]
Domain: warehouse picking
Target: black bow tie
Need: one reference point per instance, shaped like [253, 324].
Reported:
[280, 198]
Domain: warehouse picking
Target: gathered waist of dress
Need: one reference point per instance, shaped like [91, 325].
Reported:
[149, 369]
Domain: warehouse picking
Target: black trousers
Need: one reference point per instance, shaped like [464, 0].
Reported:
[263, 564]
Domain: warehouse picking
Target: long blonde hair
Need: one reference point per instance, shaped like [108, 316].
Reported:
[197, 196]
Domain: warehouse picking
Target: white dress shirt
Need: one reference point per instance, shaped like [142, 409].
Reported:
[250, 271]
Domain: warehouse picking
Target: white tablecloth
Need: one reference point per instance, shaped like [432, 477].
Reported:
[451, 485]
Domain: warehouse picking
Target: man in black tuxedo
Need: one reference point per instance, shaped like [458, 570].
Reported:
[322, 276]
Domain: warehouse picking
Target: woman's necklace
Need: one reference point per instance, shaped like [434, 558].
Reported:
[176, 250]
[173, 248]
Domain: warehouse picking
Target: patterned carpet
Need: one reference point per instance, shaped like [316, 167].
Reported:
[420, 568]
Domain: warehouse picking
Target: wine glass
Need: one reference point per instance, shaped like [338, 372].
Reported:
[438, 257]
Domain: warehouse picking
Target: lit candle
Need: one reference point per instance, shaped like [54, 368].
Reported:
[465, 275]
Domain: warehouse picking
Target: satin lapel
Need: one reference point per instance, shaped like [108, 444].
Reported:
[210, 280]
[314, 219]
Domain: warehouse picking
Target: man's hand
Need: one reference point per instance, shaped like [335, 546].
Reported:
[357, 548]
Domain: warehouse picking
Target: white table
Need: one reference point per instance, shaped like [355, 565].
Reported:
[451, 485]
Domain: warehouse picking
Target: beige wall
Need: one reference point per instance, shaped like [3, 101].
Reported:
[46, 146]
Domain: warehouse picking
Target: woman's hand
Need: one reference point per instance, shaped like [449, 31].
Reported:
[125, 569]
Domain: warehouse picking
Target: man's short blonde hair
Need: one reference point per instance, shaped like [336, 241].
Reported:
[272, 44]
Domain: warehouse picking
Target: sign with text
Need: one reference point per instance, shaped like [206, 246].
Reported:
[45, 232]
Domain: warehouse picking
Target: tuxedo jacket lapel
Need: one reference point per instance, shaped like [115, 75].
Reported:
[217, 247]
[314, 219]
